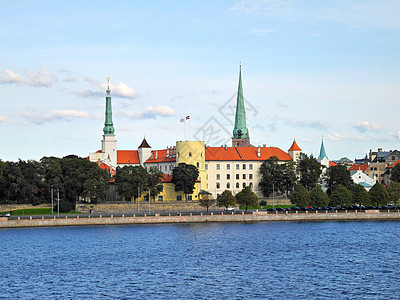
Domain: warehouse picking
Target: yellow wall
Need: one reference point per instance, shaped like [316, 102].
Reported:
[193, 153]
[169, 194]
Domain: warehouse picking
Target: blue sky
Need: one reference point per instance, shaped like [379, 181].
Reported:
[310, 69]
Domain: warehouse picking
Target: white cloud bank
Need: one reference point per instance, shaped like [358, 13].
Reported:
[367, 126]
[120, 89]
[43, 78]
[58, 115]
[4, 119]
[150, 112]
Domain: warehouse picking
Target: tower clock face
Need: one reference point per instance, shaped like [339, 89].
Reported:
[239, 132]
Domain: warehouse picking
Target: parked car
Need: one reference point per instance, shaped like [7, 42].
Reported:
[295, 208]
[230, 209]
[280, 209]
[8, 215]
[271, 209]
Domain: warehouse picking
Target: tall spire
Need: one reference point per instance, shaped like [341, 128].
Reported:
[240, 131]
[108, 123]
[322, 152]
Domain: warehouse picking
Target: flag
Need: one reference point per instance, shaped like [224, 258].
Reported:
[187, 117]
[182, 120]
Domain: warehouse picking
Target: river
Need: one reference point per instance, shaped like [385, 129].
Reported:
[266, 260]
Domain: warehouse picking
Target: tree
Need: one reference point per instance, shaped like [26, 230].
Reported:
[395, 174]
[360, 195]
[132, 181]
[12, 184]
[154, 181]
[300, 196]
[318, 197]
[276, 177]
[226, 199]
[379, 195]
[393, 190]
[337, 175]
[206, 201]
[184, 177]
[246, 197]
[310, 171]
[341, 196]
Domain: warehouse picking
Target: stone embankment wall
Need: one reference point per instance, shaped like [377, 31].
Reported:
[257, 216]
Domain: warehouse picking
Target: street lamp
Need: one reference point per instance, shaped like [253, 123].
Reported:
[52, 205]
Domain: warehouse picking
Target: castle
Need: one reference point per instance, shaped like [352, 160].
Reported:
[220, 168]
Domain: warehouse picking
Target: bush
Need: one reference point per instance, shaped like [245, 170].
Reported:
[263, 203]
[64, 207]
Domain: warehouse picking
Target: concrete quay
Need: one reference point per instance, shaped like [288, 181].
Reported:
[255, 216]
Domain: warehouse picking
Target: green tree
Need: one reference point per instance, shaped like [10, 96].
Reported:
[337, 175]
[395, 173]
[289, 177]
[206, 201]
[341, 195]
[246, 197]
[318, 197]
[310, 171]
[154, 181]
[277, 177]
[12, 184]
[184, 177]
[132, 181]
[393, 190]
[379, 195]
[300, 196]
[226, 199]
[34, 188]
[360, 195]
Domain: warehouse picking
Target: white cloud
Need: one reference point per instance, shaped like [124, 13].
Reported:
[4, 119]
[58, 115]
[150, 112]
[11, 77]
[308, 140]
[251, 6]
[70, 78]
[367, 126]
[119, 90]
[335, 137]
[44, 77]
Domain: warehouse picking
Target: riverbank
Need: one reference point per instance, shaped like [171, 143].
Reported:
[256, 216]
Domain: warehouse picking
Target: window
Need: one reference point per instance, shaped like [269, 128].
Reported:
[228, 176]
[251, 184]
[237, 176]
[250, 176]
[372, 168]
[178, 197]
[228, 185]
[160, 198]
[218, 177]
[228, 166]
[237, 166]
[244, 166]
[166, 168]
[218, 166]
[393, 157]
[189, 198]
[206, 166]
[250, 166]
[170, 167]
[244, 184]
[190, 154]
[198, 165]
[237, 185]
[244, 176]
[218, 185]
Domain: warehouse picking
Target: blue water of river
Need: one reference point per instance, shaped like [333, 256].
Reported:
[269, 260]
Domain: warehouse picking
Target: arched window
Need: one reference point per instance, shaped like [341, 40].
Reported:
[198, 165]
[237, 185]
[244, 184]
[218, 185]
[251, 184]
[228, 185]
[190, 154]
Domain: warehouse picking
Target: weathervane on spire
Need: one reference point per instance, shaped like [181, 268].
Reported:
[108, 86]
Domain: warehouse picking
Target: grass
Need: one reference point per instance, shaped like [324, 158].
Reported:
[34, 212]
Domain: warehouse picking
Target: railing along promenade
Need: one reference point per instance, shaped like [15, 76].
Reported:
[195, 217]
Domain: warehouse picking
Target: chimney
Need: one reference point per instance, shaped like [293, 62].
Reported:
[258, 152]
[226, 148]
[156, 154]
[264, 145]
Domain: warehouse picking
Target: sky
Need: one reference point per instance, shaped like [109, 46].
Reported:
[311, 70]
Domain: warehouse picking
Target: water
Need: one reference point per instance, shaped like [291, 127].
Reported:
[282, 260]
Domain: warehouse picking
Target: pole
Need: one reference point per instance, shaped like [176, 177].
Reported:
[149, 200]
[58, 202]
[52, 205]
[273, 196]
[138, 196]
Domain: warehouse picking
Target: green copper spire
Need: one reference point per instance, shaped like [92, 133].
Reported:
[322, 152]
[108, 124]
[240, 130]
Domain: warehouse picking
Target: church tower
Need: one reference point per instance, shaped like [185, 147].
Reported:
[323, 158]
[109, 143]
[241, 136]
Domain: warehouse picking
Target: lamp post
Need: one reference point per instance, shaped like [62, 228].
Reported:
[58, 202]
[138, 196]
[149, 199]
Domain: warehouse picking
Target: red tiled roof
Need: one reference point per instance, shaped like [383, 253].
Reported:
[395, 163]
[161, 156]
[331, 164]
[358, 167]
[127, 157]
[107, 167]
[294, 147]
[245, 153]
[168, 178]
